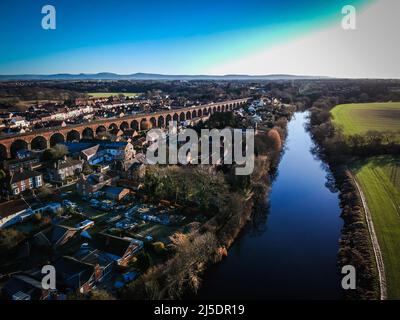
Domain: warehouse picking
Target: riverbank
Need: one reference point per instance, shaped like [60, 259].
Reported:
[356, 243]
[229, 209]
[356, 240]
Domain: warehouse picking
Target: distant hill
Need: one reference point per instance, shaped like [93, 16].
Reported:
[150, 76]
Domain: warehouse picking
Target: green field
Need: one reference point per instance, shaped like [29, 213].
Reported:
[110, 94]
[362, 117]
[379, 178]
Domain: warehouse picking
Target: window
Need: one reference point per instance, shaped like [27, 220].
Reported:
[16, 191]
[38, 181]
[23, 185]
[30, 183]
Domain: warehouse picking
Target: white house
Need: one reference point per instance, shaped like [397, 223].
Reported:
[12, 212]
[18, 122]
[15, 211]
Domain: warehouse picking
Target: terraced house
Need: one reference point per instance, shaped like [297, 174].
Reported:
[64, 169]
[22, 180]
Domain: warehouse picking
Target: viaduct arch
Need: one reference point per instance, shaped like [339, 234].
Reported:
[44, 138]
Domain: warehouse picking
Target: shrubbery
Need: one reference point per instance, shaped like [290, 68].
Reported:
[9, 238]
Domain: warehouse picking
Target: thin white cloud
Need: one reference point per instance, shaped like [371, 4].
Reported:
[370, 51]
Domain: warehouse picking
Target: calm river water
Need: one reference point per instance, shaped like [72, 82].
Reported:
[290, 251]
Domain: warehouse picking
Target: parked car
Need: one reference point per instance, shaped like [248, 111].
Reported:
[95, 203]
[85, 224]
[119, 208]
[105, 206]
[69, 204]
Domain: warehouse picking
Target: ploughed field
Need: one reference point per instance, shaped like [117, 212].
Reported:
[379, 178]
[362, 117]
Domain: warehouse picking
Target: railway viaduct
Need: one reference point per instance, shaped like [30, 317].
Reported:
[48, 137]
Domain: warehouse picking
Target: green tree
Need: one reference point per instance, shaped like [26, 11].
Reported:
[55, 153]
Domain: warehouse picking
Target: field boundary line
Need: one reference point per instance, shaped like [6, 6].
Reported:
[375, 244]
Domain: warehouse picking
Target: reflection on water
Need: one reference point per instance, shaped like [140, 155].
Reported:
[288, 250]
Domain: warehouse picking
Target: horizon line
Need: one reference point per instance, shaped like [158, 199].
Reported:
[238, 75]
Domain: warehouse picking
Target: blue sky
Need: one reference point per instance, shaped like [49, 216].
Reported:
[174, 36]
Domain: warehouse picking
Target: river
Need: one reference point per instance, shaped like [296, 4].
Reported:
[290, 251]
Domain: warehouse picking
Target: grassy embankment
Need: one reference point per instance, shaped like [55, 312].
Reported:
[379, 178]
